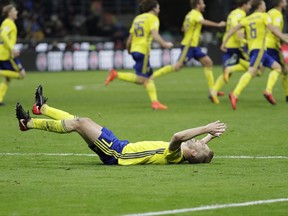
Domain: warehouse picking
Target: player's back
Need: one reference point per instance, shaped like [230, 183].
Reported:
[141, 31]
[233, 19]
[7, 27]
[256, 29]
[272, 40]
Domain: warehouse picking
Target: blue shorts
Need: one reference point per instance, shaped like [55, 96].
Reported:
[192, 52]
[142, 65]
[13, 65]
[276, 55]
[258, 57]
[241, 53]
[110, 147]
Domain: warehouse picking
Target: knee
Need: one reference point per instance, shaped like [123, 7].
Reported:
[76, 124]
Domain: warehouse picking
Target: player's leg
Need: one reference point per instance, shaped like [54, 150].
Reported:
[41, 108]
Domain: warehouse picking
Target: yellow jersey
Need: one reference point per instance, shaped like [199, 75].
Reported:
[233, 19]
[149, 152]
[272, 41]
[141, 29]
[192, 28]
[8, 37]
[256, 29]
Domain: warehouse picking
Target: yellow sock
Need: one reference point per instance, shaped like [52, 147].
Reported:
[244, 63]
[162, 71]
[57, 126]
[243, 82]
[237, 68]
[151, 89]
[209, 76]
[219, 83]
[10, 74]
[273, 76]
[128, 77]
[55, 113]
[3, 89]
[285, 84]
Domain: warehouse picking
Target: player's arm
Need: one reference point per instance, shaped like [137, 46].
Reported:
[128, 43]
[214, 128]
[276, 31]
[157, 37]
[4, 35]
[213, 24]
[229, 34]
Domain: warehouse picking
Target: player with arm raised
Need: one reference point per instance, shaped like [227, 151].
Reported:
[182, 147]
[144, 29]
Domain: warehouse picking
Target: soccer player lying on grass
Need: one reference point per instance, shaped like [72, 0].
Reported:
[111, 150]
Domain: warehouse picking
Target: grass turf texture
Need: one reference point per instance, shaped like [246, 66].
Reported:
[81, 185]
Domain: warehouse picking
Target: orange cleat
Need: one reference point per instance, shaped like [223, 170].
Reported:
[226, 74]
[269, 97]
[111, 76]
[156, 105]
[220, 93]
[233, 100]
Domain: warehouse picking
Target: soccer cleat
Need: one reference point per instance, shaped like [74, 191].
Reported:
[220, 93]
[23, 117]
[39, 100]
[2, 104]
[269, 97]
[111, 76]
[233, 100]
[156, 105]
[226, 74]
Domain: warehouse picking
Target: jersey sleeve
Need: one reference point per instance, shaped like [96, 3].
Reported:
[154, 23]
[267, 19]
[4, 34]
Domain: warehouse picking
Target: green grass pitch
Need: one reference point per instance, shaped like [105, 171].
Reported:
[41, 177]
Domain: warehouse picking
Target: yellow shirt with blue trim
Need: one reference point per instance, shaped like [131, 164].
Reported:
[8, 37]
[272, 41]
[256, 29]
[141, 29]
[192, 28]
[149, 152]
[233, 20]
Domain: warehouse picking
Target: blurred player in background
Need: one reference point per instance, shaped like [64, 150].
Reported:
[190, 48]
[274, 50]
[256, 26]
[10, 66]
[111, 150]
[143, 30]
[236, 47]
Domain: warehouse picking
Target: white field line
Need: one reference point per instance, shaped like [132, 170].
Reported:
[210, 207]
[92, 155]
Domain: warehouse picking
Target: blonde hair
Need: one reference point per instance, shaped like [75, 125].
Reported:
[205, 158]
[6, 9]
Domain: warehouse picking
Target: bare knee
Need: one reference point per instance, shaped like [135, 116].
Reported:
[76, 124]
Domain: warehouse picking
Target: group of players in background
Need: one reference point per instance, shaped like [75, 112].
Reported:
[250, 43]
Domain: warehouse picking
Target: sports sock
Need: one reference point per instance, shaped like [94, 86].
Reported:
[10, 74]
[273, 76]
[151, 90]
[128, 77]
[237, 68]
[209, 76]
[244, 63]
[57, 126]
[55, 113]
[3, 89]
[219, 83]
[243, 82]
[162, 71]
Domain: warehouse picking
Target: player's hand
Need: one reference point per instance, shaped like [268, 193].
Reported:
[223, 47]
[222, 24]
[15, 53]
[168, 45]
[216, 128]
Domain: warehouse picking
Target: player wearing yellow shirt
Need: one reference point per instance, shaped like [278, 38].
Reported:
[10, 66]
[236, 47]
[144, 29]
[190, 48]
[111, 150]
[256, 26]
[274, 50]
